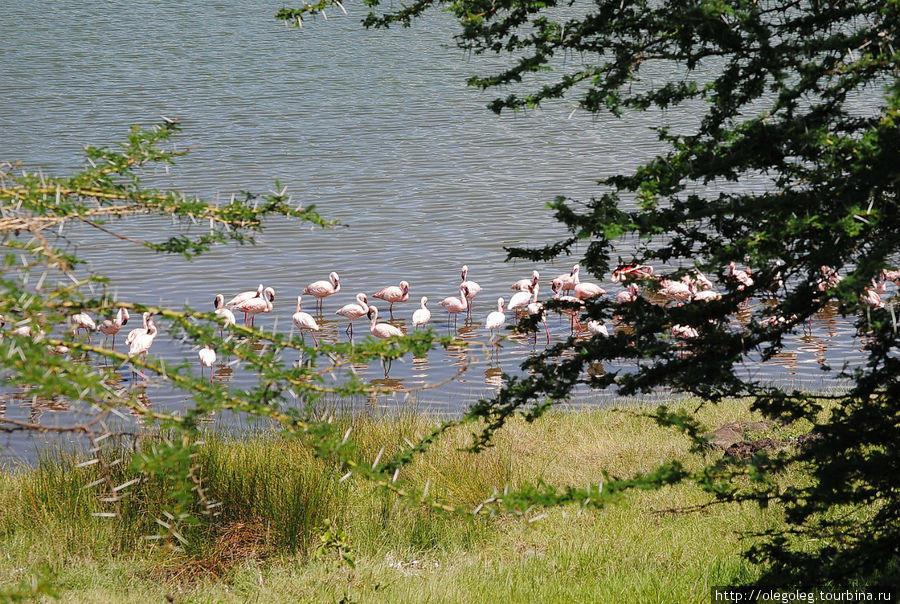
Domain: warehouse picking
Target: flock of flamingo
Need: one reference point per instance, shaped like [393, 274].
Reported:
[566, 286]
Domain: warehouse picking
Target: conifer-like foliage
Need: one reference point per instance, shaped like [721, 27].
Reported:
[779, 122]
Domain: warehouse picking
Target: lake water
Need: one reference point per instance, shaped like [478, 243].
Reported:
[377, 129]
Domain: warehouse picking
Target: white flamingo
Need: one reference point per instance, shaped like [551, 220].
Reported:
[598, 328]
[354, 311]
[134, 333]
[496, 319]
[472, 288]
[393, 293]
[142, 342]
[520, 300]
[322, 289]
[536, 309]
[223, 313]
[454, 306]
[422, 315]
[305, 322]
[110, 327]
[81, 321]
[207, 358]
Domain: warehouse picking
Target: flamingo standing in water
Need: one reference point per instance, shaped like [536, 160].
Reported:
[323, 289]
[496, 319]
[454, 306]
[631, 293]
[422, 316]
[354, 311]
[393, 293]
[82, 321]
[567, 281]
[243, 297]
[572, 312]
[742, 277]
[536, 309]
[381, 330]
[598, 328]
[526, 284]
[520, 300]
[257, 305]
[134, 333]
[586, 291]
[143, 339]
[870, 298]
[224, 313]
[110, 327]
[305, 322]
[632, 271]
[675, 290]
[207, 358]
[471, 287]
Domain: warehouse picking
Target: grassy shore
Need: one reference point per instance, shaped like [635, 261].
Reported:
[277, 498]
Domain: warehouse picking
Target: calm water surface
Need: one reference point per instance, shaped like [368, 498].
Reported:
[377, 129]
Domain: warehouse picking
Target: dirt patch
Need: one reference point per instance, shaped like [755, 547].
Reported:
[236, 543]
[732, 433]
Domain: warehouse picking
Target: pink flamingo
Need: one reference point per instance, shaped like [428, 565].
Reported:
[305, 322]
[422, 316]
[454, 306]
[354, 311]
[381, 330]
[257, 305]
[870, 298]
[223, 313]
[684, 331]
[323, 289]
[631, 293]
[472, 287]
[586, 291]
[830, 278]
[525, 284]
[207, 359]
[393, 293]
[567, 281]
[81, 321]
[243, 297]
[496, 319]
[742, 277]
[110, 327]
[707, 295]
[675, 290]
[632, 271]
[891, 275]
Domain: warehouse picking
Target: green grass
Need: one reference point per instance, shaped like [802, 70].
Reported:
[276, 498]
